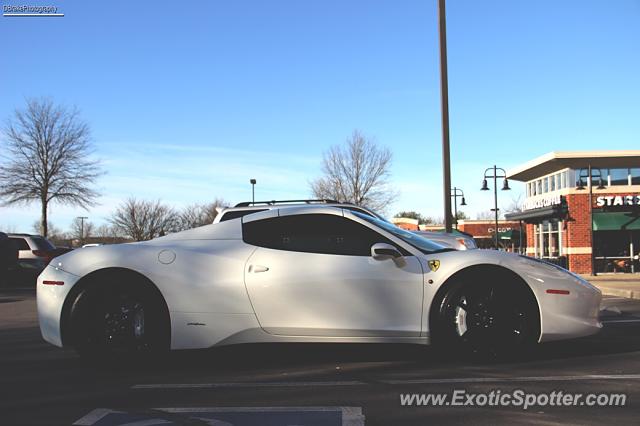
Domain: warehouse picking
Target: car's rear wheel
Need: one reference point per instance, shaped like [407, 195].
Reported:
[119, 320]
[486, 318]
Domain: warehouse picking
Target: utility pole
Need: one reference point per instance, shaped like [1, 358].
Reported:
[82, 218]
[444, 98]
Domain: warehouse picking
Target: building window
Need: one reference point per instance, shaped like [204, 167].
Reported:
[548, 239]
[635, 176]
[619, 176]
[539, 186]
[552, 182]
[563, 179]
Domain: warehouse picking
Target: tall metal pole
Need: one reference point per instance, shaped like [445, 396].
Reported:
[455, 206]
[593, 263]
[253, 190]
[444, 98]
[495, 199]
[82, 218]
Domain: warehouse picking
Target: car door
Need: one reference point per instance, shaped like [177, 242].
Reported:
[313, 275]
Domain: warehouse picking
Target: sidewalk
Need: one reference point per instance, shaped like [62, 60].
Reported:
[621, 285]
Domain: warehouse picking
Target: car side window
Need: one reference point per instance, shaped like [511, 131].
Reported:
[313, 233]
[20, 243]
[238, 213]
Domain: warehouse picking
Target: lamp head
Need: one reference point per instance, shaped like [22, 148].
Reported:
[484, 185]
[505, 185]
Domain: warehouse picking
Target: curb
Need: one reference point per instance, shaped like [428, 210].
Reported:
[620, 292]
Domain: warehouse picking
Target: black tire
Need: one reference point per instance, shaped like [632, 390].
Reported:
[118, 319]
[486, 317]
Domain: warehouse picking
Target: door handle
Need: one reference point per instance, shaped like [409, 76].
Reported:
[257, 268]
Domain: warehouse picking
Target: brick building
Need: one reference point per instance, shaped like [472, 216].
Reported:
[483, 231]
[560, 220]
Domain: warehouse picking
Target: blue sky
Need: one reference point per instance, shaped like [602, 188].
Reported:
[188, 101]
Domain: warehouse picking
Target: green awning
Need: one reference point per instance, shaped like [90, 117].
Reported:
[512, 234]
[615, 221]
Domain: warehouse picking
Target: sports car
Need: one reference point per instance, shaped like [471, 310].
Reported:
[306, 274]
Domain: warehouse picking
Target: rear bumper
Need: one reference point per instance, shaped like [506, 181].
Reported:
[50, 299]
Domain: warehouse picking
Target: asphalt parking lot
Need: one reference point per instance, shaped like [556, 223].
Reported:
[309, 384]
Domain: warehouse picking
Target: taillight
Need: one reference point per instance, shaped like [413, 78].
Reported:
[44, 254]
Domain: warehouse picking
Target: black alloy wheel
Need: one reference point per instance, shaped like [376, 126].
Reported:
[487, 318]
[119, 321]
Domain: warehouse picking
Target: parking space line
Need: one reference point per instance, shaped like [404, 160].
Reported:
[95, 416]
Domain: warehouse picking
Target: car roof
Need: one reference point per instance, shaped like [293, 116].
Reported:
[259, 206]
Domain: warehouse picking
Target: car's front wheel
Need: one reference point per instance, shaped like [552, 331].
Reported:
[486, 317]
[119, 320]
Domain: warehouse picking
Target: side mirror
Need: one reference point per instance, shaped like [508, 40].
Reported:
[383, 251]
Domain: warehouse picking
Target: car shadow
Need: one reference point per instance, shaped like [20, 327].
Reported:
[613, 339]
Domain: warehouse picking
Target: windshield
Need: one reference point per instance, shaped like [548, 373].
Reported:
[421, 243]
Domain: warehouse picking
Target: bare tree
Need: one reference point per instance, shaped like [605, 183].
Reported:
[107, 231]
[516, 204]
[488, 215]
[462, 215]
[143, 220]
[199, 214]
[47, 158]
[54, 231]
[356, 172]
[81, 230]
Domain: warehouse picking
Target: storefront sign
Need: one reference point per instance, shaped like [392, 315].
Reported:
[538, 203]
[491, 230]
[618, 200]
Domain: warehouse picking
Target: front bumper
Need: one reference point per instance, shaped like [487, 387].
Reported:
[569, 316]
[50, 299]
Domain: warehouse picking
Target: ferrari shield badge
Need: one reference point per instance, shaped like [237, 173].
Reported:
[434, 265]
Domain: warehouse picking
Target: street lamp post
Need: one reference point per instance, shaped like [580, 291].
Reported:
[82, 219]
[455, 193]
[505, 187]
[253, 190]
[580, 187]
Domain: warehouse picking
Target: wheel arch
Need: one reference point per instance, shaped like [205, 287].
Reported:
[483, 269]
[97, 278]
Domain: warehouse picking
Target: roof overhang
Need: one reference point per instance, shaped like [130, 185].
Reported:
[555, 161]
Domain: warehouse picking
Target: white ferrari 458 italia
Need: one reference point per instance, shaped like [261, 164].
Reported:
[306, 274]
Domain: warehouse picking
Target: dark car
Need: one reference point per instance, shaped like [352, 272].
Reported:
[8, 259]
[34, 254]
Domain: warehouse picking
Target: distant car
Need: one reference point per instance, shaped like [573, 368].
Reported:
[8, 259]
[34, 251]
[314, 273]
[457, 240]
